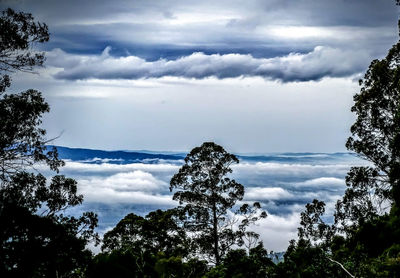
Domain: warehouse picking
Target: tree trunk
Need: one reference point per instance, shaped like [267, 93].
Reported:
[215, 234]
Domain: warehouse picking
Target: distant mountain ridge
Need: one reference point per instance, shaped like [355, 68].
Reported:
[295, 157]
[126, 156]
[90, 155]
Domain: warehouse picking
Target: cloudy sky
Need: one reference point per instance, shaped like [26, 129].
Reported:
[255, 76]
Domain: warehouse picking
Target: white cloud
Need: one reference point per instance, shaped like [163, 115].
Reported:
[267, 193]
[101, 160]
[317, 64]
[110, 196]
[323, 182]
[276, 231]
[293, 170]
[131, 181]
[136, 187]
[103, 168]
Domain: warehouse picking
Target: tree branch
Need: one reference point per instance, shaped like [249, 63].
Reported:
[342, 267]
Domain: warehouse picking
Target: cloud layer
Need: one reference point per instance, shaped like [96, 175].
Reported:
[321, 62]
[276, 40]
[174, 27]
[113, 190]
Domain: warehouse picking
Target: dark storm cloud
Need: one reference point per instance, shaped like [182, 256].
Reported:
[321, 62]
[83, 25]
[200, 39]
[308, 12]
[334, 13]
[152, 41]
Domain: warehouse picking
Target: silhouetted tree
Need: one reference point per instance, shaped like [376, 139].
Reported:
[18, 31]
[151, 246]
[312, 227]
[36, 238]
[369, 212]
[303, 259]
[125, 263]
[376, 138]
[364, 240]
[158, 232]
[22, 141]
[239, 264]
[208, 194]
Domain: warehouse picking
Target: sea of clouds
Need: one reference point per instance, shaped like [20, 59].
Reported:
[282, 183]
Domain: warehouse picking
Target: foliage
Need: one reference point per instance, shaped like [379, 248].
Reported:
[364, 239]
[312, 226]
[208, 195]
[162, 244]
[37, 239]
[238, 264]
[151, 246]
[35, 246]
[302, 259]
[18, 32]
[376, 132]
[176, 267]
[126, 263]
[157, 232]
[22, 141]
[368, 213]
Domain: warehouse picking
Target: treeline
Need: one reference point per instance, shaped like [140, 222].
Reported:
[208, 234]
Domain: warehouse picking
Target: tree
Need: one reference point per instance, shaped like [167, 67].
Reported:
[37, 239]
[121, 264]
[366, 232]
[376, 135]
[312, 227]
[369, 212]
[158, 232]
[22, 141]
[208, 195]
[152, 246]
[317, 245]
[239, 264]
[303, 259]
[18, 32]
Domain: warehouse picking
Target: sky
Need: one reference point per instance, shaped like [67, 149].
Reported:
[254, 76]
